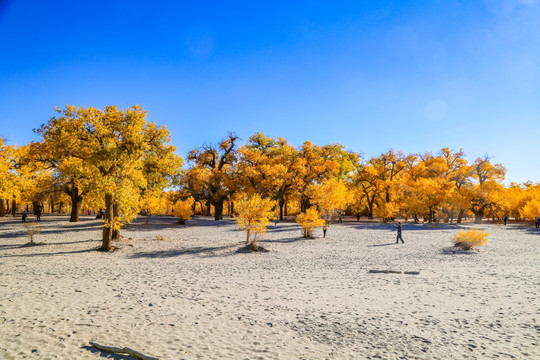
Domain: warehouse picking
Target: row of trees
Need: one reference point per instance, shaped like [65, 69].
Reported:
[429, 186]
[114, 159]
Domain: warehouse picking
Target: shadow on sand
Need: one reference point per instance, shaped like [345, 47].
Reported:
[49, 253]
[377, 245]
[201, 251]
[107, 355]
[457, 251]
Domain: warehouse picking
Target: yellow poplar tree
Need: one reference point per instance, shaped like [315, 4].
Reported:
[254, 214]
[309, 220]
[7, 176]
[484, 193]
[330, 196]
[114, 144]
[213, 166]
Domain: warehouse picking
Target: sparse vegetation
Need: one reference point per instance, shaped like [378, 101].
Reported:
[309, 221]
[32, 230]
[470, 239]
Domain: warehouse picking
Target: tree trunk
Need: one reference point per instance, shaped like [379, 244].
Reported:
[51, 205]
[116, 215]
[460, 216]
[107, 224]
[232, 208]
[208, 208]
[218, 209]
[281, 205]
[478, 215]
[286, 209]
[60, 207]
[304, 204]
[13, 207]
[76, 202]
[2, 208]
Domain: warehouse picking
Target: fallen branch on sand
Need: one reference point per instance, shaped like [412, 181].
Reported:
[123, 350]
[394, 272]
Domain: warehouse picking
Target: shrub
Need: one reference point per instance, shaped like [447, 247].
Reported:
[32, 229]
[309, 221]
[470, 239]
[254, 214]
[183, 210]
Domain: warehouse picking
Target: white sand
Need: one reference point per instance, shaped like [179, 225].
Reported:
[193, 296]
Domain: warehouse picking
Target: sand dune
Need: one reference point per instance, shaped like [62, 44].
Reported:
[195, 296]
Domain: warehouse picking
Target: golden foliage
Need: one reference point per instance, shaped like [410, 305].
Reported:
[470, 239]
[183, 209]
[118, 150]
[309, 221]
[254, 215]
[330, 196]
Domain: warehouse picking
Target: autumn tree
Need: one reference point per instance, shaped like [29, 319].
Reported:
[427, 185]
[254, 215]
[531, 201]
[269, 167]
[309, 220]
[19, 180]
[213, 170]
[483, 194]
[317, 164]
[378, 182]
[459, 174]
[330, 196]
[7, 177]
[113, 144]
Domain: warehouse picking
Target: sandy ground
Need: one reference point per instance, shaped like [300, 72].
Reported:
[195, 296]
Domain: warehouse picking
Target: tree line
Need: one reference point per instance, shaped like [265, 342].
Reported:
[114, 159]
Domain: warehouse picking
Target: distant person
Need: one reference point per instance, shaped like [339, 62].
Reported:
[340, 217]
[38, 215]
[358, 217]
[505, 219]
[399, 230]
[538, 222]
[24, 216]
[325, 227]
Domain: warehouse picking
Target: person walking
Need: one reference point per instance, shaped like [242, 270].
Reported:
[399, 237]
[325, 227]
[24, 216]
[538, 222]
[505, 219]
[38, 215]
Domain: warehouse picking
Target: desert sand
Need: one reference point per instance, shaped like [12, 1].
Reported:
[194, 295]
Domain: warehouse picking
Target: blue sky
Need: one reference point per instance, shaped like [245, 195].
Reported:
[415, 76]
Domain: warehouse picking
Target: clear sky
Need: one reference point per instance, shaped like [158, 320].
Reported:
[415, 76]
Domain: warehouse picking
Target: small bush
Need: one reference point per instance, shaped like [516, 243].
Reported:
[161, 237]
[470, 239]
[32, 229]
[309, 221]
[183, 210]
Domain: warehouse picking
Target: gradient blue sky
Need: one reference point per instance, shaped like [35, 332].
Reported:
[415, 76]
